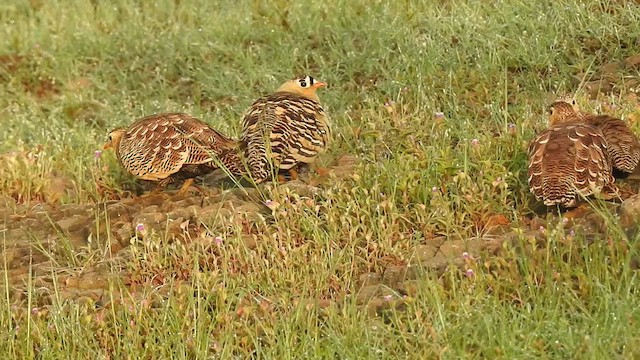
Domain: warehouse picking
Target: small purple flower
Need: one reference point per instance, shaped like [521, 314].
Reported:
[140, 227]
[35, 311]
[572, 233]
[466, 256]
[97, 154]
[387, 298]
[439, 115]
[217, 240]
[475, 142]
[565, 221]
[434, 189]
[470, 273]
[512, 129]
[541, 229]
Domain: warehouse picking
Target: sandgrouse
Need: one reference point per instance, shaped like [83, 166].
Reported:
[171, 147]
[623, 144]
[570, 160]
[284, 129]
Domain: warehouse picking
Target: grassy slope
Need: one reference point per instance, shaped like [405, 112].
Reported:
[88, 68]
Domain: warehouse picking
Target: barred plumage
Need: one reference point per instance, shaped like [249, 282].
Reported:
[284, 129]
[170, 147]
[623, 145]
[569, 160]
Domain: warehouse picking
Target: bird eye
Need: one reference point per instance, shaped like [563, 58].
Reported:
[306, 81]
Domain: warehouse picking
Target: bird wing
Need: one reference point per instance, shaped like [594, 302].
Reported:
[567, 160]
[202, 142]
[159, 145]
[624, 146]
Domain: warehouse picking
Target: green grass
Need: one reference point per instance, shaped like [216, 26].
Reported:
[72, 70]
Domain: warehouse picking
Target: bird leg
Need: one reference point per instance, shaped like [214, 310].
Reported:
[578, 211]
[292, 175]
[185, 187]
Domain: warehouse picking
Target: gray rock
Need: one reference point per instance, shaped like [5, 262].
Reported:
[630, 214]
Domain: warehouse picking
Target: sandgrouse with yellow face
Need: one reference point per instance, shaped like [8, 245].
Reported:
[623, 144]
[171, 147]
[284, 129]
[570, 160]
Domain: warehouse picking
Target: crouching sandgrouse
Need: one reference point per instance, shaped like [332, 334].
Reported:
[171, 147]
[284, 129]
[570, 160]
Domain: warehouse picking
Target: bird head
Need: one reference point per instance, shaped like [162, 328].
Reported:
[562, 112]
[115, 136]
[305, 86]
[569, 99]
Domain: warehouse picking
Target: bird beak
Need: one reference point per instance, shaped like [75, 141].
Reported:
[106, 146]
[319, 84]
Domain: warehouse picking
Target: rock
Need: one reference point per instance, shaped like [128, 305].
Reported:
[537, 223]
[149, 219]
[118, 212]
[7, 202]
[250, 241]
[150, 209]
[115, 247]
[375, 307]
[630, 214]
[212, 215]
[497, 224]
[411, 287]
[179, 213]
[368, 279]
[610, 68]
[368, 293]
[251, 209]
[123, 232]
[309, 304]
[245, 194]
[394, 276]
[632, 62]
[300, 188]
[73, 223]
[598, 86]
[427, 251]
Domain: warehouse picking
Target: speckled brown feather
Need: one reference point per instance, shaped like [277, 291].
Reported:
[171, 147]
[283, 129]
[623, 144]
[567, 161]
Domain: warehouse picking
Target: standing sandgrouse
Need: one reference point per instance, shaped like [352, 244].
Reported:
[284, 129]
[569, 160]
[166, 148]
[623, 144]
